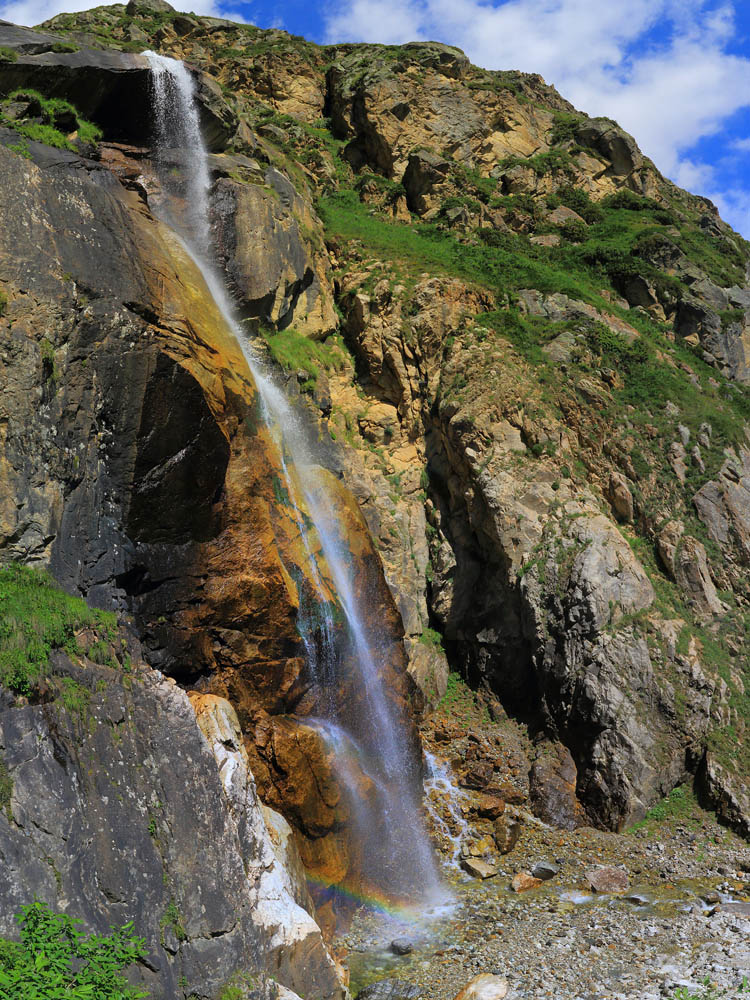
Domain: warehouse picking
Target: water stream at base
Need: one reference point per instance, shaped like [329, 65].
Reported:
[405, 861]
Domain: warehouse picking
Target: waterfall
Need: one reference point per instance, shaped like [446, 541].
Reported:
[404, 859]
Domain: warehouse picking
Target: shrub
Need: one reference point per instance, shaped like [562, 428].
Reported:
[629, 200]
[578, 200]
[574, 230]
[55, 959]
[7, 55]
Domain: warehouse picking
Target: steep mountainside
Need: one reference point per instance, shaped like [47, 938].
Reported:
[527, 354]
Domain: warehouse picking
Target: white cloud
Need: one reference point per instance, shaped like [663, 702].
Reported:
[661, 68]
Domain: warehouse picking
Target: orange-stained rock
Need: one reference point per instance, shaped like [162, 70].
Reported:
[490, 806]
[522, 882]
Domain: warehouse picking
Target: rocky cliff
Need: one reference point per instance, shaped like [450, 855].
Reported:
[525, 351]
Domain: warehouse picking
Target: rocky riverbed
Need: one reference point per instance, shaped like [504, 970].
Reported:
[678, 920]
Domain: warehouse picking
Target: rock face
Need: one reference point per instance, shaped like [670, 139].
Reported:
[282, 908]
[149, 837]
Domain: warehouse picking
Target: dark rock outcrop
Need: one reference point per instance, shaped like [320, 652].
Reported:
[117, 811]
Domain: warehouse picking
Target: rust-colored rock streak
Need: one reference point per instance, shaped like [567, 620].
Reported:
[341, 604]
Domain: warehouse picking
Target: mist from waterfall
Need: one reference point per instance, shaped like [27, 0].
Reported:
[378, 746]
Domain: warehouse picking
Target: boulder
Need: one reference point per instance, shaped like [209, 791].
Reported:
[146, 7]
[424, 177]
[524, 881]
[544, 870]
[612, 142]
[390, 989]
[619, 495]
[552, 790]
[609, 880]
[485, 986]
[692, 574]
[478, 868]
[506, 832]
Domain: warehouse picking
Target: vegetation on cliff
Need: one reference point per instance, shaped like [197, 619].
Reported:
[37, 618]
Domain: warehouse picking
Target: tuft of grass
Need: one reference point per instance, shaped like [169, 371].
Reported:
[432, 639]
[47, 131]
[296, 352]
[7, 55]
[37, 618]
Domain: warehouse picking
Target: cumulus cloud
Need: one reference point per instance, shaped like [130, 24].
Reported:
[662, 68]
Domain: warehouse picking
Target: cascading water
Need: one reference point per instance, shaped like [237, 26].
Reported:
[444, 800]
[403, 860]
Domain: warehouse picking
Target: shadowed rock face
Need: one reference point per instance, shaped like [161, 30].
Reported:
[152, 837]
[109, 87]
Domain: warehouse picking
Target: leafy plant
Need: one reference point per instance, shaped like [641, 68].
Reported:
[55, 959]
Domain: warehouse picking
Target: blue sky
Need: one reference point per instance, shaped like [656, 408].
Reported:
[674, 73]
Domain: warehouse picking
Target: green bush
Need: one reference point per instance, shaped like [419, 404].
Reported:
[64, 47]
[579, 201]
[7, 55]
[36, 618]
[56, 960]
[574, 230]
[630, 201]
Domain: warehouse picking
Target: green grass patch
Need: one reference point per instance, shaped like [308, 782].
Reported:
[8, 55]
[679, 806]
[37, 618]
[53, 111]
[503, 262]
[296, 352]
[431, 638]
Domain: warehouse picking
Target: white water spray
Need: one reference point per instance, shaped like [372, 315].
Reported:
[381, 754]
[445, 801]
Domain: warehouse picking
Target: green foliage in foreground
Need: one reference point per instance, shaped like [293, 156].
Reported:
[47, 131]
[56, 960]
[36, 617]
